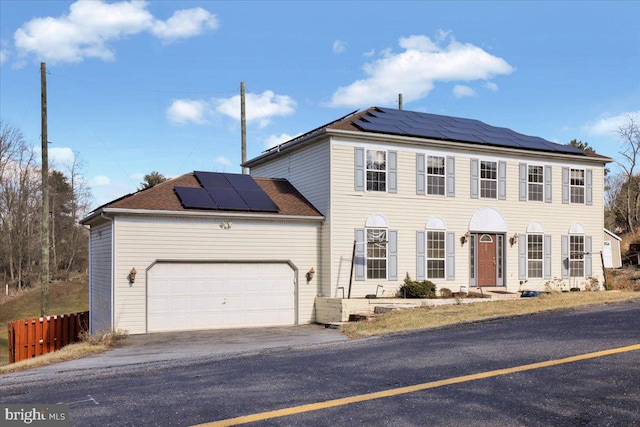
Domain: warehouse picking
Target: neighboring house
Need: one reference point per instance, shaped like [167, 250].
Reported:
[445, 199]
[611, 253]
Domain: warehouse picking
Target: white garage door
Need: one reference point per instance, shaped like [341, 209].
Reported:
[183, 296]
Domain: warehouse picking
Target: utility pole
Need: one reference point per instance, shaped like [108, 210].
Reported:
[399, 101]
[44, 226]
[243, 127]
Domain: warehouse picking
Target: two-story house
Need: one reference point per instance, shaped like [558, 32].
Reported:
[451, 200]
[349, 209]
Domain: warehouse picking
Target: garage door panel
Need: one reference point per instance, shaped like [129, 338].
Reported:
[210, 295]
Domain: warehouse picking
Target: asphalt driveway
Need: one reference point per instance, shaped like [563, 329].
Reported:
[177, 347]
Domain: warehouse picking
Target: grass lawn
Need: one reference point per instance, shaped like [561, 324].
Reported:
[64, 298]
[433, 317]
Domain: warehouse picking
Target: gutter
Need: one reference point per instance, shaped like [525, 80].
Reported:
[216, 214]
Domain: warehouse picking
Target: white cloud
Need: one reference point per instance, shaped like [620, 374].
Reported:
[462, 91]
[184, 24]
[339, 46]
[258, 107]
[369, 53]
[4, 51]
[491, 86]
[414, 71]
[221, 160]
[138, 176]
[274, 140]
[184, 111]
[61, 156]
[100, 181]
[609, 125]
[90, 26]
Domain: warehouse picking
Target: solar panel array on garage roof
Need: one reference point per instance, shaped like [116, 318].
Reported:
[222, 191]
[412, 123]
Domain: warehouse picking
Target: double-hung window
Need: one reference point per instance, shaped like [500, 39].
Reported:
[376, 253]
[576, 256]
[577, 186]
[535, 255]
[488, 180]
[435, 175]
[536, 183]
[376, 170]
[436, 254]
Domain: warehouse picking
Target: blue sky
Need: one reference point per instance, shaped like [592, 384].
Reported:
[138, 86]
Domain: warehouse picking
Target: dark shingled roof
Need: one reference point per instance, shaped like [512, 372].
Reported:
[378, 120]
[162, 197]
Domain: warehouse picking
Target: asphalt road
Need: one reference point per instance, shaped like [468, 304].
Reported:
[601, 390]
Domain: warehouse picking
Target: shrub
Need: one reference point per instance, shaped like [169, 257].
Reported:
[415, 289]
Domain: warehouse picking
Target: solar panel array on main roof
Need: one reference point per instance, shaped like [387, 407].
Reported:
[412, 123]
[226, 192]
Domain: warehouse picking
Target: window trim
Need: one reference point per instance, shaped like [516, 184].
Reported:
[577, 256]
[385, 171]
[427, 258]
[495, 180]
[541, 253]
[442, 176]
[540, 184]
[386, 251]
[582, 186]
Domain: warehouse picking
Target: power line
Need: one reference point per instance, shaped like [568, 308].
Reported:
[140, 89]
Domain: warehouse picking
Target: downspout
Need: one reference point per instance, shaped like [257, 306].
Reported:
[112, 284]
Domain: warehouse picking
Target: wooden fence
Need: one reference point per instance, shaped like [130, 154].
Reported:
[30, 338]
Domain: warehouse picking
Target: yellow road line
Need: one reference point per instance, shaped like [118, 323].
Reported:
[410, 389]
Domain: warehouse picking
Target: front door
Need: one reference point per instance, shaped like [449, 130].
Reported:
[486, 260]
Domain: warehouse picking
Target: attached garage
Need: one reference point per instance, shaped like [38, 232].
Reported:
[204, 263]
[184, 296]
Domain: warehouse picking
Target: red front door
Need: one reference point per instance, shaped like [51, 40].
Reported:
[486, 260]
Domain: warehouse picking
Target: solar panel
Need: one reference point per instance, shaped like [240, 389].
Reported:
[212, 179]
[258, 201]
[400, 122]
[195, 198]
[242, 182]
[227, 199]
[375, 127]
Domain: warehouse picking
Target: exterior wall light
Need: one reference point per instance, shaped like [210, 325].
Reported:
[132, 275]
[513, 239]
[310, 274]
[464, 238]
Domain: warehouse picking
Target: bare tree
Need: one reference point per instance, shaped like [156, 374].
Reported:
[20, 212]
[19, 200]
[630, 136]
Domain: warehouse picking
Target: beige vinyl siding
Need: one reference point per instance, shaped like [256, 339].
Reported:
[308, 170]
[408, 212]
[100, 270]
[144, 240]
